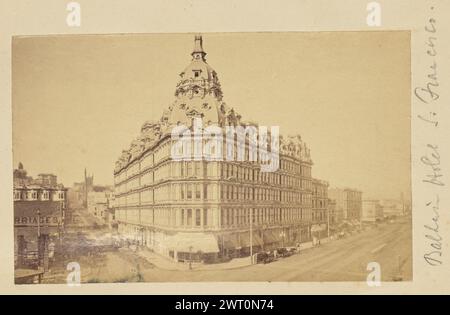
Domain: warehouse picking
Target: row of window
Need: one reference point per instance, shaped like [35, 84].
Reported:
[251, 174]
[164, 151]
[167, 217]
[239, 192]
[295, 167]
[194, 217]
[164, 193]
[193, 191]
[319, 216]
[320, 191]
[168, 170]
[205, 191]
[202, 217]
[231, 149]
[160, 153]
[319, 203]
[38, 195]
[239, 216]
[201, 169]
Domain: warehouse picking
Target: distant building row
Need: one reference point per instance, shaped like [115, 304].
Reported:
[376, 210]
[97, 199]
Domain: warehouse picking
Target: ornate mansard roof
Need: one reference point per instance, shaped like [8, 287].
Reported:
[198, 94]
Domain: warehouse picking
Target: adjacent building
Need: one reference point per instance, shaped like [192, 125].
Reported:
[39, 211]
[208, 209]
[372, 211]
[332, 212]
[77, 195]
[100, 202]
[348, 204]
[319, 206]
[394, 207]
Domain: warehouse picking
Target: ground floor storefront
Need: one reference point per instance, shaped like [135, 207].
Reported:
[214, 246]
[38, 226]
[35, 249]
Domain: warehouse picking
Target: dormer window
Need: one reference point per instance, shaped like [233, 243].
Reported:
[196, 73]
[17, 195]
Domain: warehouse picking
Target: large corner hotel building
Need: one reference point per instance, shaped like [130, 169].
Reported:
[205, 210]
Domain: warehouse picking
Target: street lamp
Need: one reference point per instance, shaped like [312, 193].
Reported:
[61, 222]
[328, 222]
[38, 212]
[251, 235]
[282, 235]
[360, 216]
[190, 257]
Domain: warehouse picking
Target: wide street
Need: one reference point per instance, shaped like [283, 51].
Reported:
[346, 259]
[388, 244]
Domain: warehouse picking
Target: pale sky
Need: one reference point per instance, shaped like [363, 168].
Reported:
[79, 100]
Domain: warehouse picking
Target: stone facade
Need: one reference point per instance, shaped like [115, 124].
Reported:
[101, 203]
[39, 211]
[394, 207]
[331, 208]
[205, 209]
[372, 211]
[319, 201]
[78, 193]
[348, 203]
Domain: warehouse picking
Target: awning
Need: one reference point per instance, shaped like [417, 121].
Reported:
[318, 228]
[193, 242]
[245, 239]
[347, 224]
[270, 237]
[229, 241]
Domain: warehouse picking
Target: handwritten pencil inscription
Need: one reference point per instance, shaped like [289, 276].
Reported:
[428, 95]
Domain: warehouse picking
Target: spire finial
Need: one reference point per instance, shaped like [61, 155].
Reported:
[198, 52]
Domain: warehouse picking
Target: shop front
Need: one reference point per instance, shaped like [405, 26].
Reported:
[37, 231]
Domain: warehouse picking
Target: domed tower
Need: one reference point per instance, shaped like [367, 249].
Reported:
[198, 93]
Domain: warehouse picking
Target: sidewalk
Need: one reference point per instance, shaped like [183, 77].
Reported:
[308, 245]
[168, 264]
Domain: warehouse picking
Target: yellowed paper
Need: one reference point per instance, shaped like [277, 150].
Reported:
[301, 152]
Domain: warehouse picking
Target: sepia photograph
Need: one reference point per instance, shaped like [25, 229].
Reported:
[212, 157]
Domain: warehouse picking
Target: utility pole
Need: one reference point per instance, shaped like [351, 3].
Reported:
[360, 217]
[190, 257]
[251, 236]
[60, 222]
[403, 203]
[38, 223]
[38, 212]
[328, 222]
